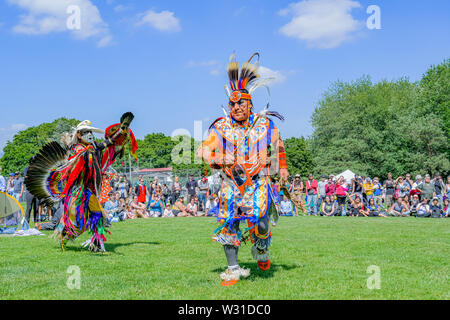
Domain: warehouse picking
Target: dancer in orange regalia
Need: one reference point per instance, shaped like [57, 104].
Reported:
[247, 149]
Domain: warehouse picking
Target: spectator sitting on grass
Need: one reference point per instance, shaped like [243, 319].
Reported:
[328, 207]
[113, 208]
[286, 206]
[406, 203]
[423, 209]
[446, 210]
[414, 203]
[399, 209]
[356, 206]
[168, 212]
[374, 210]
[192, 208]
[138, 209]
[156, 204]
[435, 208]
[180, 208]
[209, 205]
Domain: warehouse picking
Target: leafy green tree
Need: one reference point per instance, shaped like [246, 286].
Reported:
[299, 156]
[435, 96]
[26, 143]
[376, 128]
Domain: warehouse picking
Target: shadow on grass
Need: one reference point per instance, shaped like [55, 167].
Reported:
[256, 273]
[110, 247]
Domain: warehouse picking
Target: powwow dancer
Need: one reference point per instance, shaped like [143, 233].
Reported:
[247, 149]
[73, 171]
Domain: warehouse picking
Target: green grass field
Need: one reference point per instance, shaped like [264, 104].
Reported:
[312, 258]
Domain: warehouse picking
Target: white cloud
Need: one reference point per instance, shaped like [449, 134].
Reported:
[322, 23]
[162, 21]
[213, 66]
[121, 8]
[6, 134]
[47, 16]
[265, 72]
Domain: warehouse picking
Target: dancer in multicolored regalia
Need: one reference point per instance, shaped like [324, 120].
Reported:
[73, 171]
[247, 149]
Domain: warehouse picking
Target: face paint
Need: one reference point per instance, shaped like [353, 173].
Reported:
[87, 136]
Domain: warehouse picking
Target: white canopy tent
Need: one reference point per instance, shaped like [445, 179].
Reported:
[347, 174]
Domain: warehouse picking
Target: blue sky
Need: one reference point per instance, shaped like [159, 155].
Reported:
[165, 60]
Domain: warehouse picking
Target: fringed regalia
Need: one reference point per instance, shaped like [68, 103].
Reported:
[74, 174]
[247, 191]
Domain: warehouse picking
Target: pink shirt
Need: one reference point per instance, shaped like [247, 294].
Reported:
[340, 190]
[312, 186]
[329, 189]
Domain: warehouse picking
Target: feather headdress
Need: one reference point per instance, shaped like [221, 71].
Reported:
[245, 81]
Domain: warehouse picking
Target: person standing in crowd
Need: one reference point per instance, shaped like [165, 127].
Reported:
[10, 185]
[439, 188]
[203, 193]
[2, 184]
[409, 181]
[121, 188]
[296, 192]
[357, 185]
[141, 191]
[18, 186]
[417, 182]
[447, 188]
[426, 188]
[321, 191]
[191, 187]
[377, 191]
[32, 204]
[341, 195]
[368, 188]
[402, 188]
[330, 188]
[153, 185]
[311, 191]
[389, 187]
[176, 190]
[165, 193]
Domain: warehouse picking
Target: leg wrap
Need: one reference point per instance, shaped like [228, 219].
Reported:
[231, 252]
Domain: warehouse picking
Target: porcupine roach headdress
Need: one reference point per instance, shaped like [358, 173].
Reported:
[245, 81]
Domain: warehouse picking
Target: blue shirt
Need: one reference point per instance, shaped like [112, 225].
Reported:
[111, 205]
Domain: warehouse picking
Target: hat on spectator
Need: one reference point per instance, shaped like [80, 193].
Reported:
[297, 175]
